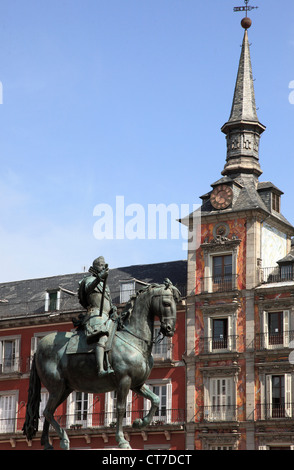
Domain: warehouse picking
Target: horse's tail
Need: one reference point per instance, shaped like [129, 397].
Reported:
[30, 426]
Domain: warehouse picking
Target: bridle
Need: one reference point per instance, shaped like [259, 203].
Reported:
[163, 320]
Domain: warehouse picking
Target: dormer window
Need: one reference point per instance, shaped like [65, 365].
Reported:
[287, 272]
[52, 300]
[127, 289]
[276, 202]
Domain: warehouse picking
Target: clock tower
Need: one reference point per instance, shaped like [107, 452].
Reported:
[244, 237]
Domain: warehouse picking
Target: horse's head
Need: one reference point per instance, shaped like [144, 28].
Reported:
[164, 304]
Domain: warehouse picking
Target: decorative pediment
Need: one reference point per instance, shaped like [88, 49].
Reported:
[220, 242]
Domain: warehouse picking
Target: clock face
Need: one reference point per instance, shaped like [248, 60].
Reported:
[221, 197]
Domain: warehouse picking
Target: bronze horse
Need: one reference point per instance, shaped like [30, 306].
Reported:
[130, 357]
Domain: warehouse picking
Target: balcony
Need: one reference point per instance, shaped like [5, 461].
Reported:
[99, 421]
[218, 413]
[214, 284]
[272, 411]
[269, 341]
[277, 274]
[216, 345]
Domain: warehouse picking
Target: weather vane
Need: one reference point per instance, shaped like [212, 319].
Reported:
[245, 8]
[246, 22]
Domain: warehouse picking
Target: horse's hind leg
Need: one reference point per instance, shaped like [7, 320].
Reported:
[145, 392]
[55, 399]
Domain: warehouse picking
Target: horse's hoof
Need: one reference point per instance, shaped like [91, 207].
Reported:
[124, 445]
[64, 445]
[138, 423]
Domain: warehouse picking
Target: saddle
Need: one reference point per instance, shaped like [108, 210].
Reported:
[77, 343]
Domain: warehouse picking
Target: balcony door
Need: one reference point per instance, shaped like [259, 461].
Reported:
[219, 404]
[222, 273]
[278, 398]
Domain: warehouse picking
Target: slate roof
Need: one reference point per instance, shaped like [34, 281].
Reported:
[27, 297]
[247, 198]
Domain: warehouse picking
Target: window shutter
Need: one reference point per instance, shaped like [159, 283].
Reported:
[34, 344]
[288, 395]
[90, 409]
[268, 410]
[286, 328]
[209, 338]
[71, 409]
[169, 402]
[147, 403]
[43, 403]
[129, 408]
[46, 301]
[16, 359]
[265, 330]
[230, 329]
[110, 416]
[58, 300]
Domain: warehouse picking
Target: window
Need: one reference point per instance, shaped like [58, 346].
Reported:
[287, 272]
[52, 301]
[222, 273]
[127, 289]
[9, 355]
[164, 412]
[162, 349]
[278, 396]
[219, 400]
[275, 202]
[110, 408]
[275, 326]
[7, 412]
[79, 409]
[276, 329]
[220, 333]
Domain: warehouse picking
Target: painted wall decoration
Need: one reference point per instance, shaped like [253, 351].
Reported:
[273, 245]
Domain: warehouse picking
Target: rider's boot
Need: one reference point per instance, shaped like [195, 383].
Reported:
[100, 361]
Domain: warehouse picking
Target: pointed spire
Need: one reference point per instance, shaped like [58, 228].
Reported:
[243, 128]
[244, 107]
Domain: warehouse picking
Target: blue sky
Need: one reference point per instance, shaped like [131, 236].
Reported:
[106, 98]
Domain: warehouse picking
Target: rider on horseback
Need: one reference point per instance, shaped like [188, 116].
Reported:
[94, 295]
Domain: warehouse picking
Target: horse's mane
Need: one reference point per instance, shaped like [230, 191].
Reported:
[129, 307]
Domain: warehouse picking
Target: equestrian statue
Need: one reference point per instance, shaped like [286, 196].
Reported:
[107, 351]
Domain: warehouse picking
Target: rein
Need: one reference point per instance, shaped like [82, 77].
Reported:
[154, 341]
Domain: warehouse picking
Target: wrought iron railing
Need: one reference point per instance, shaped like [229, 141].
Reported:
[277, 274]
[273, 340]
[217, 413]
[105, 420]
[218, 283]
[278, 410]
[214, 345]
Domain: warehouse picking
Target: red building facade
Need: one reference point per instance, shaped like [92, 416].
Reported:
[30, 311]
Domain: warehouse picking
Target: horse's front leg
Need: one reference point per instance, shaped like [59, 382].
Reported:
[145, 392]
[122, 392]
